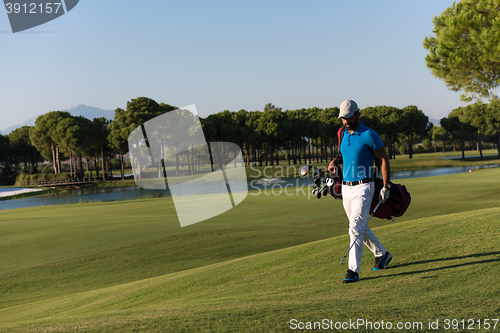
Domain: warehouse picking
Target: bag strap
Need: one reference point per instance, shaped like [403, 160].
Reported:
[340, 135]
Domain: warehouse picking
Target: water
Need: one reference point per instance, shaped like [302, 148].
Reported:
[85, 194]
[466, 156]
[90, 194]
[437, 171]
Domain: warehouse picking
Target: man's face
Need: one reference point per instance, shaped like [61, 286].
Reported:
[351, 123]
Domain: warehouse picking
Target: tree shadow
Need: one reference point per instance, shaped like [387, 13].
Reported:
[441, 268]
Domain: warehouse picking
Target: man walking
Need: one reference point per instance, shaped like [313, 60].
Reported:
[358, 148]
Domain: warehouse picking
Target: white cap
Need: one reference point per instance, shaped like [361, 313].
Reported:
[347, 108]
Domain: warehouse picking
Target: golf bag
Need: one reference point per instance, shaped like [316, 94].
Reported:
[395, 206]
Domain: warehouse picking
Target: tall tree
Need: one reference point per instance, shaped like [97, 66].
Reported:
[255, 136]
[299, 131]
[385, 120]
[464, 50]
[84, 136]
[45, 136]
[439, 133]
[273, 126]
[139, 110]
[243, 132]
[460, 130]
[100, 135]
[227, 127]
[71, 135]
[295, 133]
[6, 158]
[476, 115]
[314, 130]
[118, 135]
[493, 120]
[391, 125]
[414, 122]
[23, 149]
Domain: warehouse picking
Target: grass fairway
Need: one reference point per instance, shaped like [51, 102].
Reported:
[445, 267]
[128, 266]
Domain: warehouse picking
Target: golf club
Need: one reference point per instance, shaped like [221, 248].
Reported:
[374, 210]
[305, 170]
[319, 189]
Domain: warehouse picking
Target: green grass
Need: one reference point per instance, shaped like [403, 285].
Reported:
[435, 160]
[443, 268]
[128, 266]
[457, 153]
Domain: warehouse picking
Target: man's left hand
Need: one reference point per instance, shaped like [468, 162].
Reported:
[384, 194]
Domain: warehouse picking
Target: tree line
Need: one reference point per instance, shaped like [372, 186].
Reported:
[266, 137]
[462, 51]
[474, 122]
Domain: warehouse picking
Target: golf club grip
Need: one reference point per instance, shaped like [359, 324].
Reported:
[376, 207]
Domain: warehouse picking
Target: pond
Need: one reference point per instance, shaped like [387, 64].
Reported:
[438, 171]
[84, 194]
[467, 156]
[92, 194]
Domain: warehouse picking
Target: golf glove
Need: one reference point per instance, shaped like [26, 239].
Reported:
[384, 193]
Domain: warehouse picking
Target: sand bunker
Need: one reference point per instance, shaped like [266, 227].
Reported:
[9, 191]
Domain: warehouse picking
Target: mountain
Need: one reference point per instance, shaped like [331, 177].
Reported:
[435, 122]
[90, 112]
[29, 122]
[86, 111]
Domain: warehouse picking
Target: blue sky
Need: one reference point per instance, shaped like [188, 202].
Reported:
[223, 55]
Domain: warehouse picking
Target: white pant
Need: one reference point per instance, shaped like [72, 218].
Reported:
[357, 200]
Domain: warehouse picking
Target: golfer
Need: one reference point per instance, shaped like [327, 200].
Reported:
[359, 146]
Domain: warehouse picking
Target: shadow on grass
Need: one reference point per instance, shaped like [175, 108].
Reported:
[441, 268]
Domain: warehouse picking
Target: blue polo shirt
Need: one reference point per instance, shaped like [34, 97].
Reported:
[357, 153]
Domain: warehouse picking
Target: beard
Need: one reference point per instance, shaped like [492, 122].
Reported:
[353, 125]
